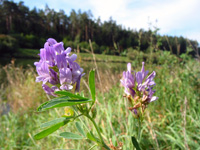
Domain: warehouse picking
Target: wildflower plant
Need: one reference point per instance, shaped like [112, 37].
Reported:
[139, 92]
[60, 75]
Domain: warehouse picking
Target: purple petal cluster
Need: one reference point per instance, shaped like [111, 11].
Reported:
[139, 87]
[57, 69]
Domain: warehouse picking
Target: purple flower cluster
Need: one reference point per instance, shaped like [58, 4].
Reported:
[57, 69]
[139, 88]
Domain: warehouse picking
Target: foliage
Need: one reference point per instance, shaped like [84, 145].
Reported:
[172, 122]
[32, 27]
[19, 83]
[8, 44]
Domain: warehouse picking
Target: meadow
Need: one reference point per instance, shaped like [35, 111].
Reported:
[171, 122]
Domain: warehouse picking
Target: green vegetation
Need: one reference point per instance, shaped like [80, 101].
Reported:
[26, 53]
[31, 28]
[33, 53]
[171, 122]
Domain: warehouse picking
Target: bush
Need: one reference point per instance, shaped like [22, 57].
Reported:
[164, 57]
[29, 41]
[84, 45]
[96, 48]
[136, 56]
[8, 44]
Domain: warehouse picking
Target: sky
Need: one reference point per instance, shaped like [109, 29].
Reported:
[172, 17]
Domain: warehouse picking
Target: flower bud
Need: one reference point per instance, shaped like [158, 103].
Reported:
[69, 111]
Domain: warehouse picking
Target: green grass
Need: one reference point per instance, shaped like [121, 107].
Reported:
[33, 53]
[104, 58]
[171, 122]
[27, 53]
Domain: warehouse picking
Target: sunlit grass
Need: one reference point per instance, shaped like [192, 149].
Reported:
[171, 122]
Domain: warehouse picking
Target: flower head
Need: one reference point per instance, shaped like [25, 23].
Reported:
[57, 69]
[138, 88]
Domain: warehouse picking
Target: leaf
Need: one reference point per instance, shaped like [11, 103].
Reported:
[56, 121]
[48, 131]
[91, 137]
[70, 95]
[135, 143]
[92, 84]
[69, 135]
[80, 129]
[54, 103]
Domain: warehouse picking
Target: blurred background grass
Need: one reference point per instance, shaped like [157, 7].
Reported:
[171, 122]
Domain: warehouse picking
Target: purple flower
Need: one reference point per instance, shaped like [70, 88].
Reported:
[50, 91]
[61, 61]
[128, 81]
[43, 72]
[139, 87]
[57, 68]
[65, 76]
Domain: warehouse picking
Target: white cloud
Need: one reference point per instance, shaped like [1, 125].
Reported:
[175, 17]
[107, 8]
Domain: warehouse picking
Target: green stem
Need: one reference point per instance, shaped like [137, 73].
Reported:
[93, 146]
[76, 111]
[98, 131]
[139, 129]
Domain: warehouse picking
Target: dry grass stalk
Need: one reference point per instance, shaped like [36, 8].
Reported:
[184, 124]
[153, 134]
[22, 91]
[94, 58]
[170, 47]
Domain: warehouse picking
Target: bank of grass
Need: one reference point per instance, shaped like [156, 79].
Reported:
[104, 58]
[26, 53]
[171, 122]
[33, 53]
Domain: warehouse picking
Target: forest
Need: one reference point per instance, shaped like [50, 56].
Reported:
[119, 88]
[21, 27]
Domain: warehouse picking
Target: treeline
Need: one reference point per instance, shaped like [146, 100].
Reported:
[25, 28]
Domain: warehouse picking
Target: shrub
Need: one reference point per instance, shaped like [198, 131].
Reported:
[8, 44]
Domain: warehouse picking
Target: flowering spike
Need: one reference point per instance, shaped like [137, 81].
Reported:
[138, 89]
[57, 67]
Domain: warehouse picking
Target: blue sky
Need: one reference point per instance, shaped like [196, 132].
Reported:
[174, 17]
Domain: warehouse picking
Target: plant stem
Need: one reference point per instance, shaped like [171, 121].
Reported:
[98, 131]
[139, 129]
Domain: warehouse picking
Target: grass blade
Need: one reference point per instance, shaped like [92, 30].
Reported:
[135, 143]
[92, 84]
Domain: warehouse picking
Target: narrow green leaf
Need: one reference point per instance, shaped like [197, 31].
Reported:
[91, 137]
[39, 108]
[93, 146]
[69, 135]
[56, 121]
[80, 129]
[71, 95]
[92, 84]
[135, 143]
[60, 103]
[61, 98]
[48, 131]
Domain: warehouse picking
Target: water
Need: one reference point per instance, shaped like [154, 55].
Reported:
[87, 65]
[18, 61]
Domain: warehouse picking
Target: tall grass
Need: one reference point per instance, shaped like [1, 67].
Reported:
[171, 122]
[21, 92]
